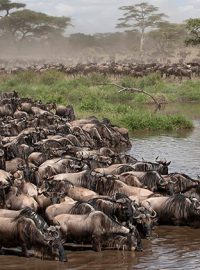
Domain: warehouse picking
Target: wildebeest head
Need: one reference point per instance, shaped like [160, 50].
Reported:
[144, 221]
[164, 168]
[121, 241]
[179, 182]
[159, 166]
[195, 205]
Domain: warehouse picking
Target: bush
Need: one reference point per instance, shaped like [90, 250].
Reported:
[149, 121]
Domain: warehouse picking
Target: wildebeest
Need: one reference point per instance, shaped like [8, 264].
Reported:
[90, 227]
[180, 183]
[142, 218]
[77, 193]
[23, 232]
[160, 166]
[51, 231]
[58, 209]
[151, 179]
[106, 185]
[115, 169]
[120, 211]
[175, 210]
[16, 200]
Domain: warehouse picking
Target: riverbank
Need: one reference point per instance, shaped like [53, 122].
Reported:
[88, 96]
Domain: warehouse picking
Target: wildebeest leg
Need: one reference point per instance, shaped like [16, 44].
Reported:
[1, 251]
[139, 246]
[62, 256]
[24, 250]
[96, 243]
[58, 249]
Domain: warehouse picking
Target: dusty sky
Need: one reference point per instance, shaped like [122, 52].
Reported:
[100, 16]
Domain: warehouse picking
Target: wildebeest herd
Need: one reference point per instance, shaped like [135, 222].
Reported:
[65, 181]
[176, 70]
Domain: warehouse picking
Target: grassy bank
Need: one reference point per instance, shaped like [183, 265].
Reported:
[90, 98]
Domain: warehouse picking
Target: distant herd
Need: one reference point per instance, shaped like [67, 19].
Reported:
[175, 70]
[67, 181]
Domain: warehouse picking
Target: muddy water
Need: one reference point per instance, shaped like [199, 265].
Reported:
[171, 247]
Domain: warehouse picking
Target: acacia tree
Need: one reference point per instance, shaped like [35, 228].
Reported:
[193, 27]
[140, 17]
[27, 24]
[6, 6]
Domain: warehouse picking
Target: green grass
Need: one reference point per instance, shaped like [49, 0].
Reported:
[90, 96]
[150, 121]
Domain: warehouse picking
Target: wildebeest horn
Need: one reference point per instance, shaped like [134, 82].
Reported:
[122, 200]
[139, 216]
[153, 211]
[162, 182]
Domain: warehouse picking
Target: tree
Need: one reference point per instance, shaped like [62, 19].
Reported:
[193, 27]
[140, 17]
[167, 37]
[6, 6]
[26, 24]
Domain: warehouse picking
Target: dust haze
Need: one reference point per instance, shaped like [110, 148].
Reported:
[81, 48]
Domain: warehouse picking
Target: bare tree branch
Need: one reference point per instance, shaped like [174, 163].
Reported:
[135, 90]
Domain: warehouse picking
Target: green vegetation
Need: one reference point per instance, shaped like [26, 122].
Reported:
[90, 97]
[193, 27]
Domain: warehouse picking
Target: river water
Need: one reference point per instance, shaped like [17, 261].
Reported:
[171, 247]
[181, 147]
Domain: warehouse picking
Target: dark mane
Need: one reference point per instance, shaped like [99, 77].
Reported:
[150, 179]
[119, 211]
[81, 208]
[113, 221]
[27, 228]
[177, 207]
[101, 185]
[184, 175]
[38, 220]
